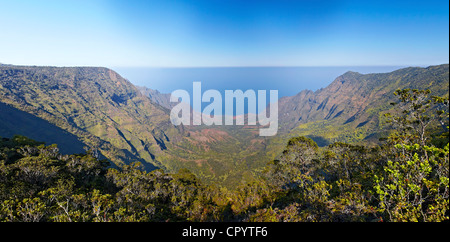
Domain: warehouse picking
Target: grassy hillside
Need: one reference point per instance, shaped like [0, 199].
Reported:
[16, 122]
[106, 112]
[351, 108]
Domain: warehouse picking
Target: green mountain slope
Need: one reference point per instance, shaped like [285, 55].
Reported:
[125, 123]
[16, 122]
[108, 113]
[351, 108]
[104, 110]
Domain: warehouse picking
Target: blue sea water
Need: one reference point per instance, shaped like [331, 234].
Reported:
[287, 80]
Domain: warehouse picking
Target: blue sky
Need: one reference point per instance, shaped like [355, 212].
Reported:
[166, 33]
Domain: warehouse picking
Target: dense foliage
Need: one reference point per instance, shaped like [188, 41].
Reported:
[406, 178]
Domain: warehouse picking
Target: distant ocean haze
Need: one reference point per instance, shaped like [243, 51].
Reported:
[287, 80]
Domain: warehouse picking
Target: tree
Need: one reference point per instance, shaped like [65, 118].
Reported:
[415, 187]
[416, 115]
[297, 160]
[414, 184]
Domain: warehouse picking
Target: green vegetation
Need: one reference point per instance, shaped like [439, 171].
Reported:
[352, 108]
[406, 178]
[107, 113]
[95, 107]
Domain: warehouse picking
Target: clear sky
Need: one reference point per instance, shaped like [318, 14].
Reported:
[207, 33]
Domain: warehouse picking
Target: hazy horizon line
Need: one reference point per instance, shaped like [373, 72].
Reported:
[230, 66]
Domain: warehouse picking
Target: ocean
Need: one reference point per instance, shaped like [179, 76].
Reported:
[287, 80]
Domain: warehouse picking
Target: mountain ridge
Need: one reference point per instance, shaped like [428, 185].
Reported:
[354, 103]
[93, 103]
[108, 113]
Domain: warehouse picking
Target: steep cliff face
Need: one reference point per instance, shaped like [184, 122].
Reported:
[354, 102]
[162, 99]
[99, 106]
[126, 124]
[105, 111]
